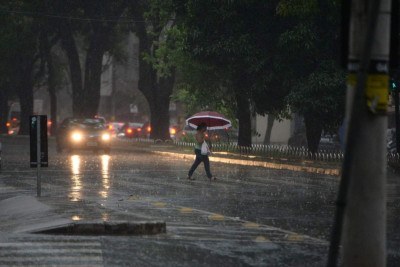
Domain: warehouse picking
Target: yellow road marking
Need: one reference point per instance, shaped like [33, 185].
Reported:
[186, 210]
[295, 237]
[261, 238]
[159, 204]
[251, 225]
[216, 217]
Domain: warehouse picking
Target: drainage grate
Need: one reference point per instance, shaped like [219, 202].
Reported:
[106, 228]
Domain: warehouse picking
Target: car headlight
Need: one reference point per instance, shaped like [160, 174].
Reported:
[76, 136]
[105, 137]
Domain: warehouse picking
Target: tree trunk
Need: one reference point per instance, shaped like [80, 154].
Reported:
[93, 69]
[51, 82]
[69, 45]
[244, 116]
[52, 94]
[25, 91]
[313, 132]
[268, 131]
[25, 94]
[157, 91]
[160, 113]
[3, 110]
[159, 121]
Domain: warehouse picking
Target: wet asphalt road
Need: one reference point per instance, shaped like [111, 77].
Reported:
[249, 217]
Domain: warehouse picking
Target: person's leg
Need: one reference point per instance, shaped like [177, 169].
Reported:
[196, 163]
[207, 167]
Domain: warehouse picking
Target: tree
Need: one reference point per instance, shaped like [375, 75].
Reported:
[237, 40]
[52, 76]
[308, 51]
[320, 99]
[5, 81]
[156, 76]
[4, 96]
[19, 41]
[92, 27]
[199, 87]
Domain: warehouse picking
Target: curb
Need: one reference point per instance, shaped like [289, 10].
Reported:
[106, 228]
[271, 165]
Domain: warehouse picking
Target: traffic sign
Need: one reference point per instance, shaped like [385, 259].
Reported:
[38, 140]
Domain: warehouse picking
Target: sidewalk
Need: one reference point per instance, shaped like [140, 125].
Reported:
[327, 168]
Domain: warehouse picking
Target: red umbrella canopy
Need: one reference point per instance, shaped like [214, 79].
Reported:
[212, 119]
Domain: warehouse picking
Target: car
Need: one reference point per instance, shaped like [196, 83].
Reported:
[173, 131]
[13, 126]
[101, 119]
[186, 134]
[114, 128]
[131, 130]
[216, 136]
[83, 134]
[145, 130]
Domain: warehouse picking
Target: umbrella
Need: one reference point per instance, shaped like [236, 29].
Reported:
[212, 119]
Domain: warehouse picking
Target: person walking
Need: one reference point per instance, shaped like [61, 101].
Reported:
[200, 157]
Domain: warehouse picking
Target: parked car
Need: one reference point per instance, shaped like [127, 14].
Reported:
[329, 142]
[146, 130]
[222, 135]
[13, 126]
[131, 130]
[114, 128]
[83, 134]
[186, 134]
[173, 131]
[101, 119]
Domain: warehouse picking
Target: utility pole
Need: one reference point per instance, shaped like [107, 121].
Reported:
[362, 193]
[360, 219]
[395, 95]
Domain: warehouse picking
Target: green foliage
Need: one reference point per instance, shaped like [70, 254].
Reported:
[189, 138]
[167, 54]
[321, 94]
[307, 56]
[18, 42]
[196, 99]
[298, 8]
[231, 52]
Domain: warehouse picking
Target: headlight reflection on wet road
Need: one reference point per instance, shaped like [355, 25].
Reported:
[76, 186]
[105, 174]
[76, 177]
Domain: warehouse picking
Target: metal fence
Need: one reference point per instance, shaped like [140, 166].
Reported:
[394, 160]
[325, 154]
[274, 151]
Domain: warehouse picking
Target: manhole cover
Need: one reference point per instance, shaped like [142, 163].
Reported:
[106, 228]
